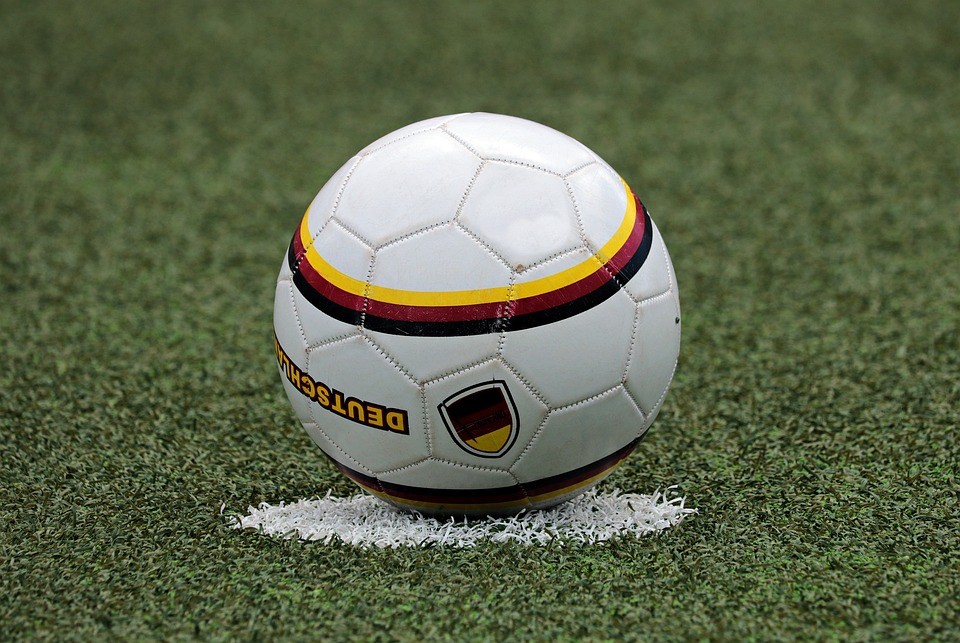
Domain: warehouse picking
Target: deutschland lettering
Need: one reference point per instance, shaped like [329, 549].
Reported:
[375, 416]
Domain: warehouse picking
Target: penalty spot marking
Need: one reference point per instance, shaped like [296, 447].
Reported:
[363, 521]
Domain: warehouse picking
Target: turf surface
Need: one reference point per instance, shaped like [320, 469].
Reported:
[802, 160]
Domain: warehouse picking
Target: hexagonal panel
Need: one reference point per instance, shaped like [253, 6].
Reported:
[367, 407]
[409, 185]
[655, 357]
[656, 275]
[495, 136]
[526, 215]
[457, 419]
[575, 358]
[601, 201]
[580, 436]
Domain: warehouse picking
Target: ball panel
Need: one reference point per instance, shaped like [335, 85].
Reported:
[427, 358]
[344, 251]
[331, 450]
[318, 327]
[601, 202]
[367, 406]
[524, 214]
[325, 202]
[655, 277]
[651, 368]
[577, 436]
[578, 357]
[438, 474]
[495, 136]
[441, 259]
[407, 186]
[286, 324]
[345, 254]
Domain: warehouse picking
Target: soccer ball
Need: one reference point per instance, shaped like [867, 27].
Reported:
[476, 315]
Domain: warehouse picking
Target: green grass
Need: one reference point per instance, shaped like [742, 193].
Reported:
[801, 159]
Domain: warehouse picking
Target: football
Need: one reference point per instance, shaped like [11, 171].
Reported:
[476, 315]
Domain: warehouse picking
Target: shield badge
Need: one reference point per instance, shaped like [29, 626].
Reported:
[482, 419]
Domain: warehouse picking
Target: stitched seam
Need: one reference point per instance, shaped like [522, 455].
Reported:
[579, 215]
[461, 141]
[582, 166]
[389, 358]
[493, 253]
[296, 314]
[460, 465]
[530, 442]
[592, 398]
[401, 138]
[353, 233]
[427, 427]
[466, 193]
[653, 298]
[415, 233]
[554, 257]
[526, 383]
[459, 371]
[336, 446]
[636, 403]
[333, 213]
[533, 166]
[633, 343]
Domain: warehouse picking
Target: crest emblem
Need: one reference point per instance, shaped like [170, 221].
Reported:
[482, 419]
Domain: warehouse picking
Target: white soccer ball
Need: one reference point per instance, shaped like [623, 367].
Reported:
[476, 316]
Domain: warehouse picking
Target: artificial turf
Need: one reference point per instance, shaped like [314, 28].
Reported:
[801, 159]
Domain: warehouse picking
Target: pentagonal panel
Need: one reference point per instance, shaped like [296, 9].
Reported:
[405, 132]
[481, 416]
[495, 136]
[657, 347]
[655, 277]
[409, 185]
[575, 358]
[579, 437]
[366, 406]
[601, 202]
[524, 214]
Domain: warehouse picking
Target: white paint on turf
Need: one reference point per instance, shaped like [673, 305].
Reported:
[364, 521]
